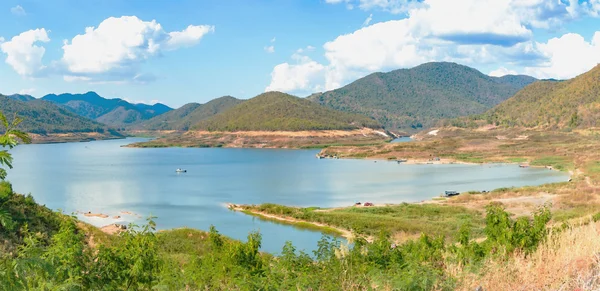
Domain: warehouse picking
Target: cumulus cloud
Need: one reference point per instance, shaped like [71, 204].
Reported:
[117, 45]
[22, 53]
[567, 56]
[487, 32]
[18, 10]
[502, 71]
[304, 76]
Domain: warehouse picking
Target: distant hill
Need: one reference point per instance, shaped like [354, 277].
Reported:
[114, 112]
[186, 116]
[276, 111]
[43, 117]
[21, 97]
[413, 99]
[553, 104]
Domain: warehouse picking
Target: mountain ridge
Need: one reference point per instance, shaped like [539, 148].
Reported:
[277, 111]
[414, 99]
[113, 112]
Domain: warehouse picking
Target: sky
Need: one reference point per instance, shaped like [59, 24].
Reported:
[182, 51]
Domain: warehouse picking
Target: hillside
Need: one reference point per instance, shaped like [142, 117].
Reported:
[275, 111]
[186, 116]
[113, 112]
[43, 117]
[21, 97]
[553, 104]
[412, 99]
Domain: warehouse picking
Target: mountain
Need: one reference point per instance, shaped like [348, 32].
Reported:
[553, 104]
[113, 112]
[412, 99]
[186, 116]
[44, 117]
[21, 97]
[276, 111]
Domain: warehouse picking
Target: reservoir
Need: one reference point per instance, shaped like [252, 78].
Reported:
[103, 177]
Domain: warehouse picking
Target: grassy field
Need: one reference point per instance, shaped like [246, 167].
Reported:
[401, 221]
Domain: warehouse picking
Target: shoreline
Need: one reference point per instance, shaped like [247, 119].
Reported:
[295, 222]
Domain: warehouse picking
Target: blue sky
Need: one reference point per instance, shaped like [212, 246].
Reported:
[183, 51]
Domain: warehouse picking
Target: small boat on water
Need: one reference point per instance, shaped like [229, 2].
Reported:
[181, 171]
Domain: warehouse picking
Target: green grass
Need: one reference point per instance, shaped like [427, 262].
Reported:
[517, 160]
[409, 218]
[556, 162]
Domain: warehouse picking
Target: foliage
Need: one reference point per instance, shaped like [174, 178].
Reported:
[275, 111]
[185, 259]
[186, 116]
[563, 105]
[409, 218]
[414, 99]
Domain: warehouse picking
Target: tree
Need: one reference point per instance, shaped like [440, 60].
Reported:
[9, 139]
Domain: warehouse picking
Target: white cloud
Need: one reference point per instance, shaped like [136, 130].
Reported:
[270, 49]
[301, 77]
[27, 91]
[118, 45]
[309, 48]
[18, 10]
[23, 55]
[567, 56]
[188, 37]
[368, 20]
[502, 71]
[471, 32]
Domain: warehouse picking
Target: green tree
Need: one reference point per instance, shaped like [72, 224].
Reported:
[8, 139]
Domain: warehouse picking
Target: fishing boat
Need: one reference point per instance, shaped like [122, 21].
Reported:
[181, 171]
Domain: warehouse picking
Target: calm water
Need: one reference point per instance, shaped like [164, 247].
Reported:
[103, 177]
[402, 139]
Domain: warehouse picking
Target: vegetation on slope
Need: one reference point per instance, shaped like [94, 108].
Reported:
[413, 99]
[276, 111]
[43, 117]
[186, 116]
[553, 104]
[113, 112]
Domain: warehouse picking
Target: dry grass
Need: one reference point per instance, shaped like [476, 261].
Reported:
[569, 260]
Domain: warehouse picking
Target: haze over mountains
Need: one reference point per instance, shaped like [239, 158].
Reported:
[113, 112]
[44, 117]
[414, 99]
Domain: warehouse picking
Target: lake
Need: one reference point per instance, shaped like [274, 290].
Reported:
[103, 177]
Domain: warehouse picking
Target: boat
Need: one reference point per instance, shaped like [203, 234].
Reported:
[181, 171]
[451, 193]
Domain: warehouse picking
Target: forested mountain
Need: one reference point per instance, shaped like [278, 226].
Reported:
[276, 111]
[412, 99]
[186, 116]
[553, 104]
[113, 112]
[21, 97]
[44, 117]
